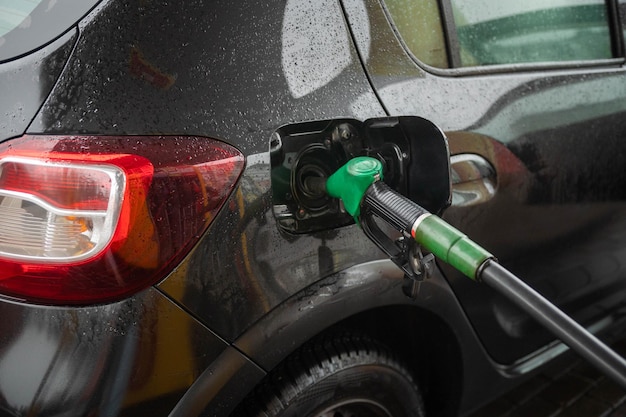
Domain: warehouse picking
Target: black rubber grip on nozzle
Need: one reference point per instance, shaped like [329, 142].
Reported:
[389, 205]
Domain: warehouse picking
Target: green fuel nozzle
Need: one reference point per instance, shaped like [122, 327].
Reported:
[350, 182]
[358, 184]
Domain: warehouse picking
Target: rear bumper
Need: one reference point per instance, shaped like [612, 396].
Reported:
[138, 356]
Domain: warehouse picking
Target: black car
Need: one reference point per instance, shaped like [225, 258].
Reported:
[161, 254]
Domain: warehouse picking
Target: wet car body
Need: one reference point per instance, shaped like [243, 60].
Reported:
[248, 294]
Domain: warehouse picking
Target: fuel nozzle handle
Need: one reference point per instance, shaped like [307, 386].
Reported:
[358, 184]
[395, 209]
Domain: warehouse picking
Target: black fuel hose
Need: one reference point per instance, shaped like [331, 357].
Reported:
[560, 324]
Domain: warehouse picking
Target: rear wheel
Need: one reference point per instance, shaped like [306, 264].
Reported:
[340, 376]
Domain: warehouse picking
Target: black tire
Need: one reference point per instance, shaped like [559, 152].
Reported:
[340, 376]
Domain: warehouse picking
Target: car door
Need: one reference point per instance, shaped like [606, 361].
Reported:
[532, 97]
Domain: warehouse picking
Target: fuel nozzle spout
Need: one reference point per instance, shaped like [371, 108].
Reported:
[315, 186]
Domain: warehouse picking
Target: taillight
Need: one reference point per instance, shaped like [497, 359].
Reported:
[87, 219]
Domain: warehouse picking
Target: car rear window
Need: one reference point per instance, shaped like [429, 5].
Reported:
[26, 25]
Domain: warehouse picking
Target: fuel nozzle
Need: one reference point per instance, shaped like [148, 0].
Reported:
[359, 185]
[350, 182]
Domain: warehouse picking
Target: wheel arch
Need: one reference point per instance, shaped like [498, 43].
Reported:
[368, 298]
[425, 343]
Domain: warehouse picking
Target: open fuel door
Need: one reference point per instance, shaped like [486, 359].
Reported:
[412, 150]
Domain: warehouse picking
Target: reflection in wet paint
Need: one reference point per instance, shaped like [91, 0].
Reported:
[315, 45]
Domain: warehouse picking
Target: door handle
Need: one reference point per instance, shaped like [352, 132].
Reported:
[473, 178]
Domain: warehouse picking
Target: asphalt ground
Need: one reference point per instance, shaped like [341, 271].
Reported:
[578, 390]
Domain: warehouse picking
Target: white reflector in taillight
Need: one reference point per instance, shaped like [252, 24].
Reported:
[87, 219]
[57, 212]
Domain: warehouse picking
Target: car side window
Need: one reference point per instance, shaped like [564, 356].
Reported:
[494, 32]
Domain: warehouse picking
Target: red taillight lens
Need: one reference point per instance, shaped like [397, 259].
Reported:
[88, 219]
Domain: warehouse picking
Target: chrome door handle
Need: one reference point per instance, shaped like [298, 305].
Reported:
[473, 178]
